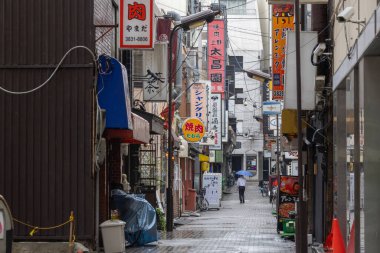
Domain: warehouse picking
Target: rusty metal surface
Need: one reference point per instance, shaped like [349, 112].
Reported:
[46, 136]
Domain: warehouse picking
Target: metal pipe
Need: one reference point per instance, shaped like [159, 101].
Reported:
[357, 160]
[170, 172]
[301, 238]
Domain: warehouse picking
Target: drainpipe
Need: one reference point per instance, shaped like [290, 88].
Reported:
[178, 69]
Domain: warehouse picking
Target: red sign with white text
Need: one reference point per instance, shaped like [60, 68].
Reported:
[216, 55]
[136, 24]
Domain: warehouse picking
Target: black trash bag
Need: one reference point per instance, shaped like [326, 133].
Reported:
[139, 216]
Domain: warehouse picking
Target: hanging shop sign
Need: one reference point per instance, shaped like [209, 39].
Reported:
[271, 107]
[193, 130]
[282, 21]
[198, 96]
[215, 121]
[136, 24]
[216, 55]
[155, 86]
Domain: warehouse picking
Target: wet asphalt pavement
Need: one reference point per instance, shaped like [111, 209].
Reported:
[248, 227]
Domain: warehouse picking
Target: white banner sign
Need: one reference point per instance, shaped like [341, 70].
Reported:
[215, 120]
[198, 98]
[155, 82]
[136, 24]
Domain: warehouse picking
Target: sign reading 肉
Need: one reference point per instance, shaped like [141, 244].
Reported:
[216, 55]
[136, 24]
[282, 21]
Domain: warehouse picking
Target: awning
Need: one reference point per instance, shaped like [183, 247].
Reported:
[156, 124]
[140, 134]
[113, 93]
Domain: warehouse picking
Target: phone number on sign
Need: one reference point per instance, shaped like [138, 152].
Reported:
[130, 38]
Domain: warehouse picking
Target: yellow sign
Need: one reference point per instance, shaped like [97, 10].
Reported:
[193, 130]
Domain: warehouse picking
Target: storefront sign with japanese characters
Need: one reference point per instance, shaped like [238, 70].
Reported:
[216, 55]
[215, 120]
[288, 195]
[193, 130]
[136, 24]
[282, 21]
[198, 96]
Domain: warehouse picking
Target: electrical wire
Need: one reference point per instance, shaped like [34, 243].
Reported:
[245, 81]
[52, 74]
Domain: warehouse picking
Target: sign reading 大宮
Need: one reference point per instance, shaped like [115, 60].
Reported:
[136, 24]
[216, 55]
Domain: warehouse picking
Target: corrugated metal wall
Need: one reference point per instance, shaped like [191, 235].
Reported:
[46, 136]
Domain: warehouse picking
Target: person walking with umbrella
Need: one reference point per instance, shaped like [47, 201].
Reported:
[241, 183]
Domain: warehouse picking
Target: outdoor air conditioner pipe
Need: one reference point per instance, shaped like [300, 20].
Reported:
[177, 72]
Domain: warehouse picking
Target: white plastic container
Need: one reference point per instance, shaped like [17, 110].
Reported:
[113, 236]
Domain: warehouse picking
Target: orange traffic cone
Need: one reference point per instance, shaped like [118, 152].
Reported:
[334, 241]
[351, 242]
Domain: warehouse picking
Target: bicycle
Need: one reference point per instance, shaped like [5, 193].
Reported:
[202, 203]
[264, 189]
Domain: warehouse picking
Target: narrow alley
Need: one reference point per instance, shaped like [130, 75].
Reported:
[236, 227]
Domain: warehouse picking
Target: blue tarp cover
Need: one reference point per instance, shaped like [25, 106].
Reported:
[139, 215]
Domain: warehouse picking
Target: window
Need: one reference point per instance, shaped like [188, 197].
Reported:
[235, 7]
[237, 61]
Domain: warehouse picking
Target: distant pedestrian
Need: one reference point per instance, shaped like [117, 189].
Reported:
[241, 184]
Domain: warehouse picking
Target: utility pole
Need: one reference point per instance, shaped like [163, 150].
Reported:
[301, 222]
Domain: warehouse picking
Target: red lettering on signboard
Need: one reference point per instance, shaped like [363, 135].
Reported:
[136, 11]
[199, 129]
[189, 126]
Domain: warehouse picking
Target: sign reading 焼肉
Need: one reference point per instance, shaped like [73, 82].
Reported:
[216, 55]
[193, 130]
[136, 24]
[282, 21]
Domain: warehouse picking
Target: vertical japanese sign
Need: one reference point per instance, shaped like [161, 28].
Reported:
[215, 120]
[216, 55]
[154, 83]
[198, 105]
[288, 195]
[136, 24]
[282, 21]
